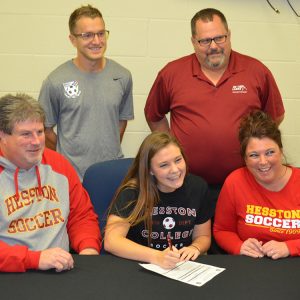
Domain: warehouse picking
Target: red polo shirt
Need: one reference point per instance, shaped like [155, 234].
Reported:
[204, 117]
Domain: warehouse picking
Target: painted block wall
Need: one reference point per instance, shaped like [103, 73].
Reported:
[144, 36]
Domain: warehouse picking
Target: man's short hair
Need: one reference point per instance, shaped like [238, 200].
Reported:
[19, 108]
[207, 15]
[83, 11]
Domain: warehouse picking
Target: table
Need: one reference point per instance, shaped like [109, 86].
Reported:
[109, 277]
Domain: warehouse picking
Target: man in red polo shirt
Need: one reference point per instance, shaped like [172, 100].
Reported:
[206, 94]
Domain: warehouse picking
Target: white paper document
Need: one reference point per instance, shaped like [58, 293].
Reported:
[189, 272]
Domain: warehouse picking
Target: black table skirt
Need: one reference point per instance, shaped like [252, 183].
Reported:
[109, 277]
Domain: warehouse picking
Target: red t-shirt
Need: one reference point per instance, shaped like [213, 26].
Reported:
[245, 209]
[205, 117]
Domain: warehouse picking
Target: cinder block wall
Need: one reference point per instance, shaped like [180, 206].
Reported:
[145, 35]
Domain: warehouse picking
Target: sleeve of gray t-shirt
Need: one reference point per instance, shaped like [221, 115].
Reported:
[49, 101]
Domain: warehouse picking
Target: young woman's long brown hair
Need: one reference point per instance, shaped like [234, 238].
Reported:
[139, 178]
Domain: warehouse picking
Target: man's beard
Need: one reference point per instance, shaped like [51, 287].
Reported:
[215, 65]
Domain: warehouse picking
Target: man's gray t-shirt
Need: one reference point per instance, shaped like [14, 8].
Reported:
[87, 108]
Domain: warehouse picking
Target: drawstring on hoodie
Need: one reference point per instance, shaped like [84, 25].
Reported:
[38, 176]
[37, 171]
[16, 183]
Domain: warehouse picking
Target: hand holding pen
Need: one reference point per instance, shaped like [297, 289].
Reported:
[168, 258]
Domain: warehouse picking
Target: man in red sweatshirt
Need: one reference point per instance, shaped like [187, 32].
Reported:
[44, 209]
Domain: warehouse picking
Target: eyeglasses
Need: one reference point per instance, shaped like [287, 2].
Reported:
[89, 36]
[220, 39]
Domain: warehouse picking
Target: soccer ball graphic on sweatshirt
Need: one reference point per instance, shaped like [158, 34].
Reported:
[168, 223]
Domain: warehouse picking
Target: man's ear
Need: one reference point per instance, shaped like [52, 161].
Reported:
[2, 136]
[194, 43]
[229, 33]
[73, 40]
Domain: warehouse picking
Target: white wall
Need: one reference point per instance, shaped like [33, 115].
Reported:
[145, 35]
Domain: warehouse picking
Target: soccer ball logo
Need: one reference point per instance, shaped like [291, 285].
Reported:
[71, 89]
[168, 223]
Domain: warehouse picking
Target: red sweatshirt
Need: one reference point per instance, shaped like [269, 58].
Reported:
[42, 208]
[245, 210]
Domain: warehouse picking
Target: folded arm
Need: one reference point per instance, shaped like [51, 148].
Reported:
[17, 258]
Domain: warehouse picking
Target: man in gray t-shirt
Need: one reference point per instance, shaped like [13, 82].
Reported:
[88, 98]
